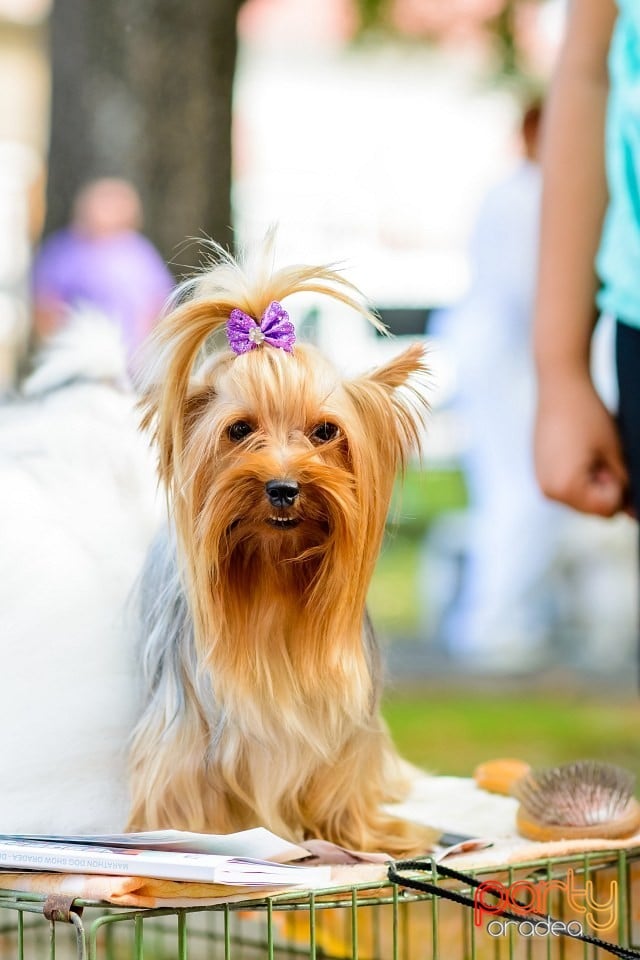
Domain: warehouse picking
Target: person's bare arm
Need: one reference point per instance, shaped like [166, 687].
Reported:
[578, 458]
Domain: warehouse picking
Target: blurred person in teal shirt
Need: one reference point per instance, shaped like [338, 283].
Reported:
[590, 261]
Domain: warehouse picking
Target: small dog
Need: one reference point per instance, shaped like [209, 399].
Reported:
[262, 670]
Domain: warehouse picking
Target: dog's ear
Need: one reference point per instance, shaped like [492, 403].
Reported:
[195, 403]
[406, 367]
[391, 402]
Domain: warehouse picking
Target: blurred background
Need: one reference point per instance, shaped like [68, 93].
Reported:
[399, 138]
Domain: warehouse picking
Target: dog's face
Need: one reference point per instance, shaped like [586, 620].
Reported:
[279, 472]
[284, 459]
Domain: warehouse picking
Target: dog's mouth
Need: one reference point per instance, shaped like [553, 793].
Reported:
[283, 523]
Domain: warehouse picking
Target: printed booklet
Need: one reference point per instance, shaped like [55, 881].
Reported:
[250, 858]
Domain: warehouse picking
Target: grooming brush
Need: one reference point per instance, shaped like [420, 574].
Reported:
[578, 800]
[581, 800]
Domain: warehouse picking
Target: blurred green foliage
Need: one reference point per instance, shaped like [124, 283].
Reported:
[451, 732]
[423, 496]
[499, 23]
[393, 595]
[372, 14]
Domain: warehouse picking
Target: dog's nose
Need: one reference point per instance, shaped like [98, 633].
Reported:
[282, 493]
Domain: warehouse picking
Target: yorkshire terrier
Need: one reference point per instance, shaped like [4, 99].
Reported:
[262, 668]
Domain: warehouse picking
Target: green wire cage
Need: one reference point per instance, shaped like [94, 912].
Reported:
[362, 922]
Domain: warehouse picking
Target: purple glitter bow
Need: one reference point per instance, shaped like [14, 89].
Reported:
[275, 328]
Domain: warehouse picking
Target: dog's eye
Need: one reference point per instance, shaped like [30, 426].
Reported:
[325, 432]
[239, 430]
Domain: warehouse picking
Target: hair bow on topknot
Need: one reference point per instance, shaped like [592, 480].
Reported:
[274, 328]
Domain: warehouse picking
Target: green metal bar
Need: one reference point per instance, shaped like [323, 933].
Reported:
[111, 919]
[182, 936]
[624, 901]
[529, 947]
[138, 944]
[109, 945]
[227, 933]
[549, 876]
[270, 929]
[354, 925]
[346, 924]
[466, 922]
[394, 924]
[93, 938]
[435, 902]
[376, 922]
[512, 936]
[633, 909]
[312, 927]
[21, 936]
[561, 914]
[155, 938]
[52, 940]
[472, 935]
[406, 939]
[585, 946]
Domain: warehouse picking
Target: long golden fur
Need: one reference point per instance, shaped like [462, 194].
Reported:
[262, 670]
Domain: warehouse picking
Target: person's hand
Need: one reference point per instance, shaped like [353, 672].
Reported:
[577, 449]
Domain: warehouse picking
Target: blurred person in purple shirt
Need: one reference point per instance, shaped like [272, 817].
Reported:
[103, 262]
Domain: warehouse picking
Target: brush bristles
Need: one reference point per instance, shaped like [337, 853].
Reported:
[272, 677]
[579, 794]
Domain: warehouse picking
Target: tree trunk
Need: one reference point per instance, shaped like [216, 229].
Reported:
[143, 90]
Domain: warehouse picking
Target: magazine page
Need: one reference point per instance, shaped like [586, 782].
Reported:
[257, 843]
[43, 855]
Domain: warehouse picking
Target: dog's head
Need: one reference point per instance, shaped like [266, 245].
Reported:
[274, 461]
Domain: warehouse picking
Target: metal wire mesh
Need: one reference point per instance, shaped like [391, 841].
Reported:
[364, 922]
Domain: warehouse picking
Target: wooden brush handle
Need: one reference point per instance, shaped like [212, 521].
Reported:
[499, 776]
